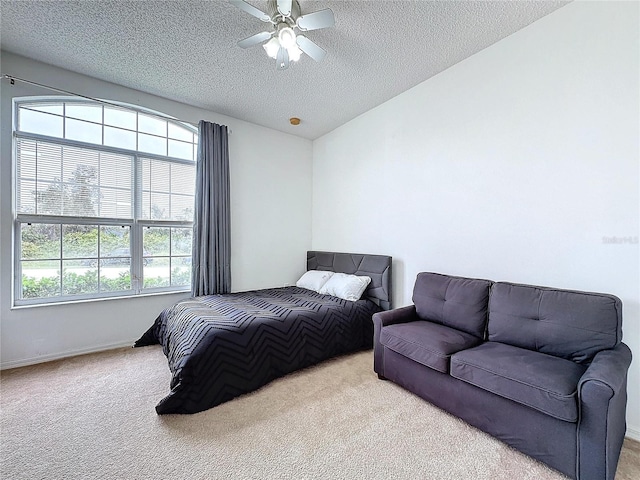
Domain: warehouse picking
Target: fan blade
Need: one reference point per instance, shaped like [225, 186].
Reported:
[284, 7]
[254, 39]
[310, 48]
[251, 10]
[282, 60]
[316, 20]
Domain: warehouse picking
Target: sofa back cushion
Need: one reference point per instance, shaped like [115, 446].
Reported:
[456, 302]
[565, 323]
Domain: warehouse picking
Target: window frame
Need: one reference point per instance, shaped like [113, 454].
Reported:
[136, 223]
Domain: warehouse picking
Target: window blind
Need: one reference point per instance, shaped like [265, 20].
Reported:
[65, 180]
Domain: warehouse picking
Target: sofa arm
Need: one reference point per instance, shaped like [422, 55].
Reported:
[382, 319]
[397, 315]
[602, 396]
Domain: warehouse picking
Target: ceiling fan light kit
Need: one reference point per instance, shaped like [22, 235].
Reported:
[284, 43]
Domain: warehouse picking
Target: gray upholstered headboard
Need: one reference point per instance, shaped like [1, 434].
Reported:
[378, 267]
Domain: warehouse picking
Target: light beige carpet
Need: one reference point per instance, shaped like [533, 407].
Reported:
[93, 417]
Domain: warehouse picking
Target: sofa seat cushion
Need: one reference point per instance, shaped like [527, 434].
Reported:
[427, 343]
[535, 379]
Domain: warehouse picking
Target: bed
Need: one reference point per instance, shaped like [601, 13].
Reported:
[221, 346]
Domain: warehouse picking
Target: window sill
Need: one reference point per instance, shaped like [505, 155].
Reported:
[102, 299]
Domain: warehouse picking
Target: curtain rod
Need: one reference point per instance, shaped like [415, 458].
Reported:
[55, 89]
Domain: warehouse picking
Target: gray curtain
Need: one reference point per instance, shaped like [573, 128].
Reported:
[211, 258]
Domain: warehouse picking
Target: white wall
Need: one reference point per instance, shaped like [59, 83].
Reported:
[270, 214]
[512, 165]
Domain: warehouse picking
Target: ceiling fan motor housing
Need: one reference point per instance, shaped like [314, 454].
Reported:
[276, 16]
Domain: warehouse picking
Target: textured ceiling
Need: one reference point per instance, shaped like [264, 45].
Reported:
[186, 51]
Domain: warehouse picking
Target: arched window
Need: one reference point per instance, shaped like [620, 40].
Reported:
[103, 200]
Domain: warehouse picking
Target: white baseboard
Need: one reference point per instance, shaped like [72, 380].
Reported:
[57, 356]
[633, 433]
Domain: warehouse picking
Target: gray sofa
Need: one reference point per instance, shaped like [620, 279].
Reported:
[542, 369]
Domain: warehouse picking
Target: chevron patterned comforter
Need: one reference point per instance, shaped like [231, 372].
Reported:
[221, 346]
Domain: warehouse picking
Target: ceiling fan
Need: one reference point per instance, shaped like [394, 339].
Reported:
[285, 45]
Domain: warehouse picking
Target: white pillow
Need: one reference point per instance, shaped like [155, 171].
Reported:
[347, 287]
[314, 279]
